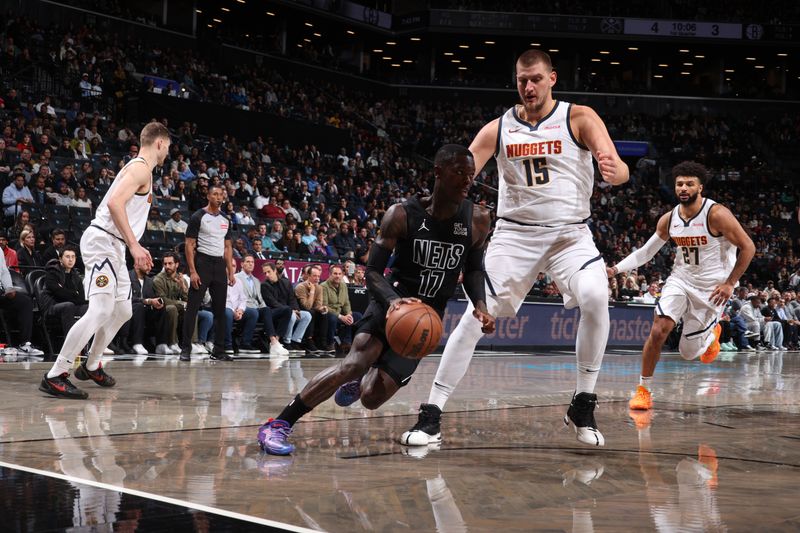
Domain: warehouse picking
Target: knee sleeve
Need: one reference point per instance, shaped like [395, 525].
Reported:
[590, 289]
[102, 308]
[123, 311]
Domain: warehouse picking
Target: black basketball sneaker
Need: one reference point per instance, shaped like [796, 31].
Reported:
[581, 415]
[427, 429]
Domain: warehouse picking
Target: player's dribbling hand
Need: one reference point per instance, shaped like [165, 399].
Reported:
[721, 294]
[486, 319]
[194, 278]
[400, 301]
[607, 166]
[141, 258]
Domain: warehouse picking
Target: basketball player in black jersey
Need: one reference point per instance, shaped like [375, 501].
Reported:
[433, 239]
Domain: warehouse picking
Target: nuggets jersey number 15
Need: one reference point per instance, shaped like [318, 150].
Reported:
[546, 176]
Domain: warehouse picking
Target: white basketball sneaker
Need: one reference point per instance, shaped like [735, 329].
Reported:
[581, 415]
[427, 429]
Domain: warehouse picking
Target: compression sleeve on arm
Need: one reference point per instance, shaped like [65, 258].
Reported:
[475, 277]
[378, 286]
[642, 255]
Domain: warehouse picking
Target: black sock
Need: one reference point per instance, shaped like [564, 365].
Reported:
[292, 412]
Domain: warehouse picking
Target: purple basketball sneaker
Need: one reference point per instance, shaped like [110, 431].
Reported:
[272, 437]
[348, 393]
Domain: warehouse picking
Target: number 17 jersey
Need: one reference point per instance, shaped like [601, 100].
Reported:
[545, 175]
[428, 261]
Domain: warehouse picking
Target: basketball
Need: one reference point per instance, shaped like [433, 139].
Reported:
[414, 330]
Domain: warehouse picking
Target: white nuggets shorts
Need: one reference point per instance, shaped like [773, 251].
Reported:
[681, 300]
[103, 257]
[517, 254]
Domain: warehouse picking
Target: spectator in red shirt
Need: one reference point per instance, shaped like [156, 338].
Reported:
[10, 254]
[26, 143]
[273, 210]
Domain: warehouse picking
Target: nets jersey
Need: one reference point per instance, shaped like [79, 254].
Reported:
[545, 174]
[428, 261]
[137, 208]
[702, 259]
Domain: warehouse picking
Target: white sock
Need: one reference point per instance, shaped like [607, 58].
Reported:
[590, 345]
[455, 359]
[646, 382]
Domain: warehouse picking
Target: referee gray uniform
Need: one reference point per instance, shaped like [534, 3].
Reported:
[211, 232]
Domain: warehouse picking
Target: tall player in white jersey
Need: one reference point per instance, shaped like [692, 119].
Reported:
[119, 221]
[705, 272]
[544, 150]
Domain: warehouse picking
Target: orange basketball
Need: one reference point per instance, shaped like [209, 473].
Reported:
[413, 330]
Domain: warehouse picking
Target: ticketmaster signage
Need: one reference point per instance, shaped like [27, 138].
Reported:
[545, 324]
[536, 324]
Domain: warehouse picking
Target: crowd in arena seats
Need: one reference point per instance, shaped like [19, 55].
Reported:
[57, 160]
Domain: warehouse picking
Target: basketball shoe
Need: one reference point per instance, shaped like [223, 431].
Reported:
[427, 430]
[272, 437]
[642, 400]
[348, 393]
[713, 351]
[581, 414]
[99, 376]
[62, 387]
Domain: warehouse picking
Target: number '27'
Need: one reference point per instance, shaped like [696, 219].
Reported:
[536, 171]
[688, 252]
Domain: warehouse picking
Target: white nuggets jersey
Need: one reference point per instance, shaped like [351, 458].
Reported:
[137, 208]
[703, 259]
[545, 174]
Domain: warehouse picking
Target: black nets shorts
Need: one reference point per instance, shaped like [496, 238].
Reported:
[398, 367]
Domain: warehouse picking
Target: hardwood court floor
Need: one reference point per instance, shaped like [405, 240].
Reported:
[172, 447]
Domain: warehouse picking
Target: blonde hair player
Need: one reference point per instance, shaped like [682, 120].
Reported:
[119, 221]
[543, 150]
[705, 273]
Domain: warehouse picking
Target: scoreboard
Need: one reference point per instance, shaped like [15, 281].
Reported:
[683, 28]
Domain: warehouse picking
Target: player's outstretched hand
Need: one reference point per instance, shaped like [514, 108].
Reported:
[141, 258]
[610, 272]
[721, 294]
[400, 301]
[486, 319]
[607, 166]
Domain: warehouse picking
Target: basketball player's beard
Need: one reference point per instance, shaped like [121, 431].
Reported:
[532, 110]
[688, 201]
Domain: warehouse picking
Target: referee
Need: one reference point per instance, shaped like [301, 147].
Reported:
[208, 255]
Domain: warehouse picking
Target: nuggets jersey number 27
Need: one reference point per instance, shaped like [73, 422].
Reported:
[702, 259]
[545, 174]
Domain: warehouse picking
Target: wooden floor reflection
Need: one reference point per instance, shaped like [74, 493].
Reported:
[720, 452]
